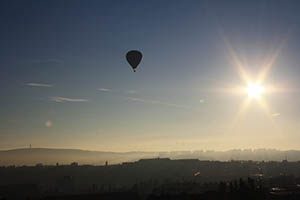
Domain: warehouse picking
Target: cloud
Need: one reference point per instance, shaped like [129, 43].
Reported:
[48, 124]
[131, 92]
[104, 89]
[63, 99]
[276, 114]
[50, 60]
[39, 85]
[157, 102]
[201, 100]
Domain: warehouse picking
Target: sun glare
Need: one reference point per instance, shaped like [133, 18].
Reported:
[254, 90]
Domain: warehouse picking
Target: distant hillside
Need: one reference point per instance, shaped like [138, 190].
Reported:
[66, 156]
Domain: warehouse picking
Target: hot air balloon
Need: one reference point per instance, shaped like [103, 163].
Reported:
[134, 58]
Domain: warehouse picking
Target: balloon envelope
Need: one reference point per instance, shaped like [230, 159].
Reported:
[134, 58]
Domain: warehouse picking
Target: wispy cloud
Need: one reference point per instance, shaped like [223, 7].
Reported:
[39, 85]
[276, 114]
[64, 99]
[104, 89]
[158, 102]
[131, 92]
[49, 60]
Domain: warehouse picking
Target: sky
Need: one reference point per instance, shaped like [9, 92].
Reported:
[65, 82]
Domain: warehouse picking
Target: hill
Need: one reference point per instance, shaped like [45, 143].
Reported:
[46, 156]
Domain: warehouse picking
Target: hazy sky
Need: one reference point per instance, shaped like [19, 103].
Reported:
[65, 82]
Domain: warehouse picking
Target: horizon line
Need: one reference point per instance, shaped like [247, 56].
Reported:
[140, 151]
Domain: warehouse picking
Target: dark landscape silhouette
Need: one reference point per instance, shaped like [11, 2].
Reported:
[156, 178]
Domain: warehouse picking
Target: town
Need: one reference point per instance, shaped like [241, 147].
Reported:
[150, 177]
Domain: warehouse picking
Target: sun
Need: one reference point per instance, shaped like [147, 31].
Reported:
[254, 90]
